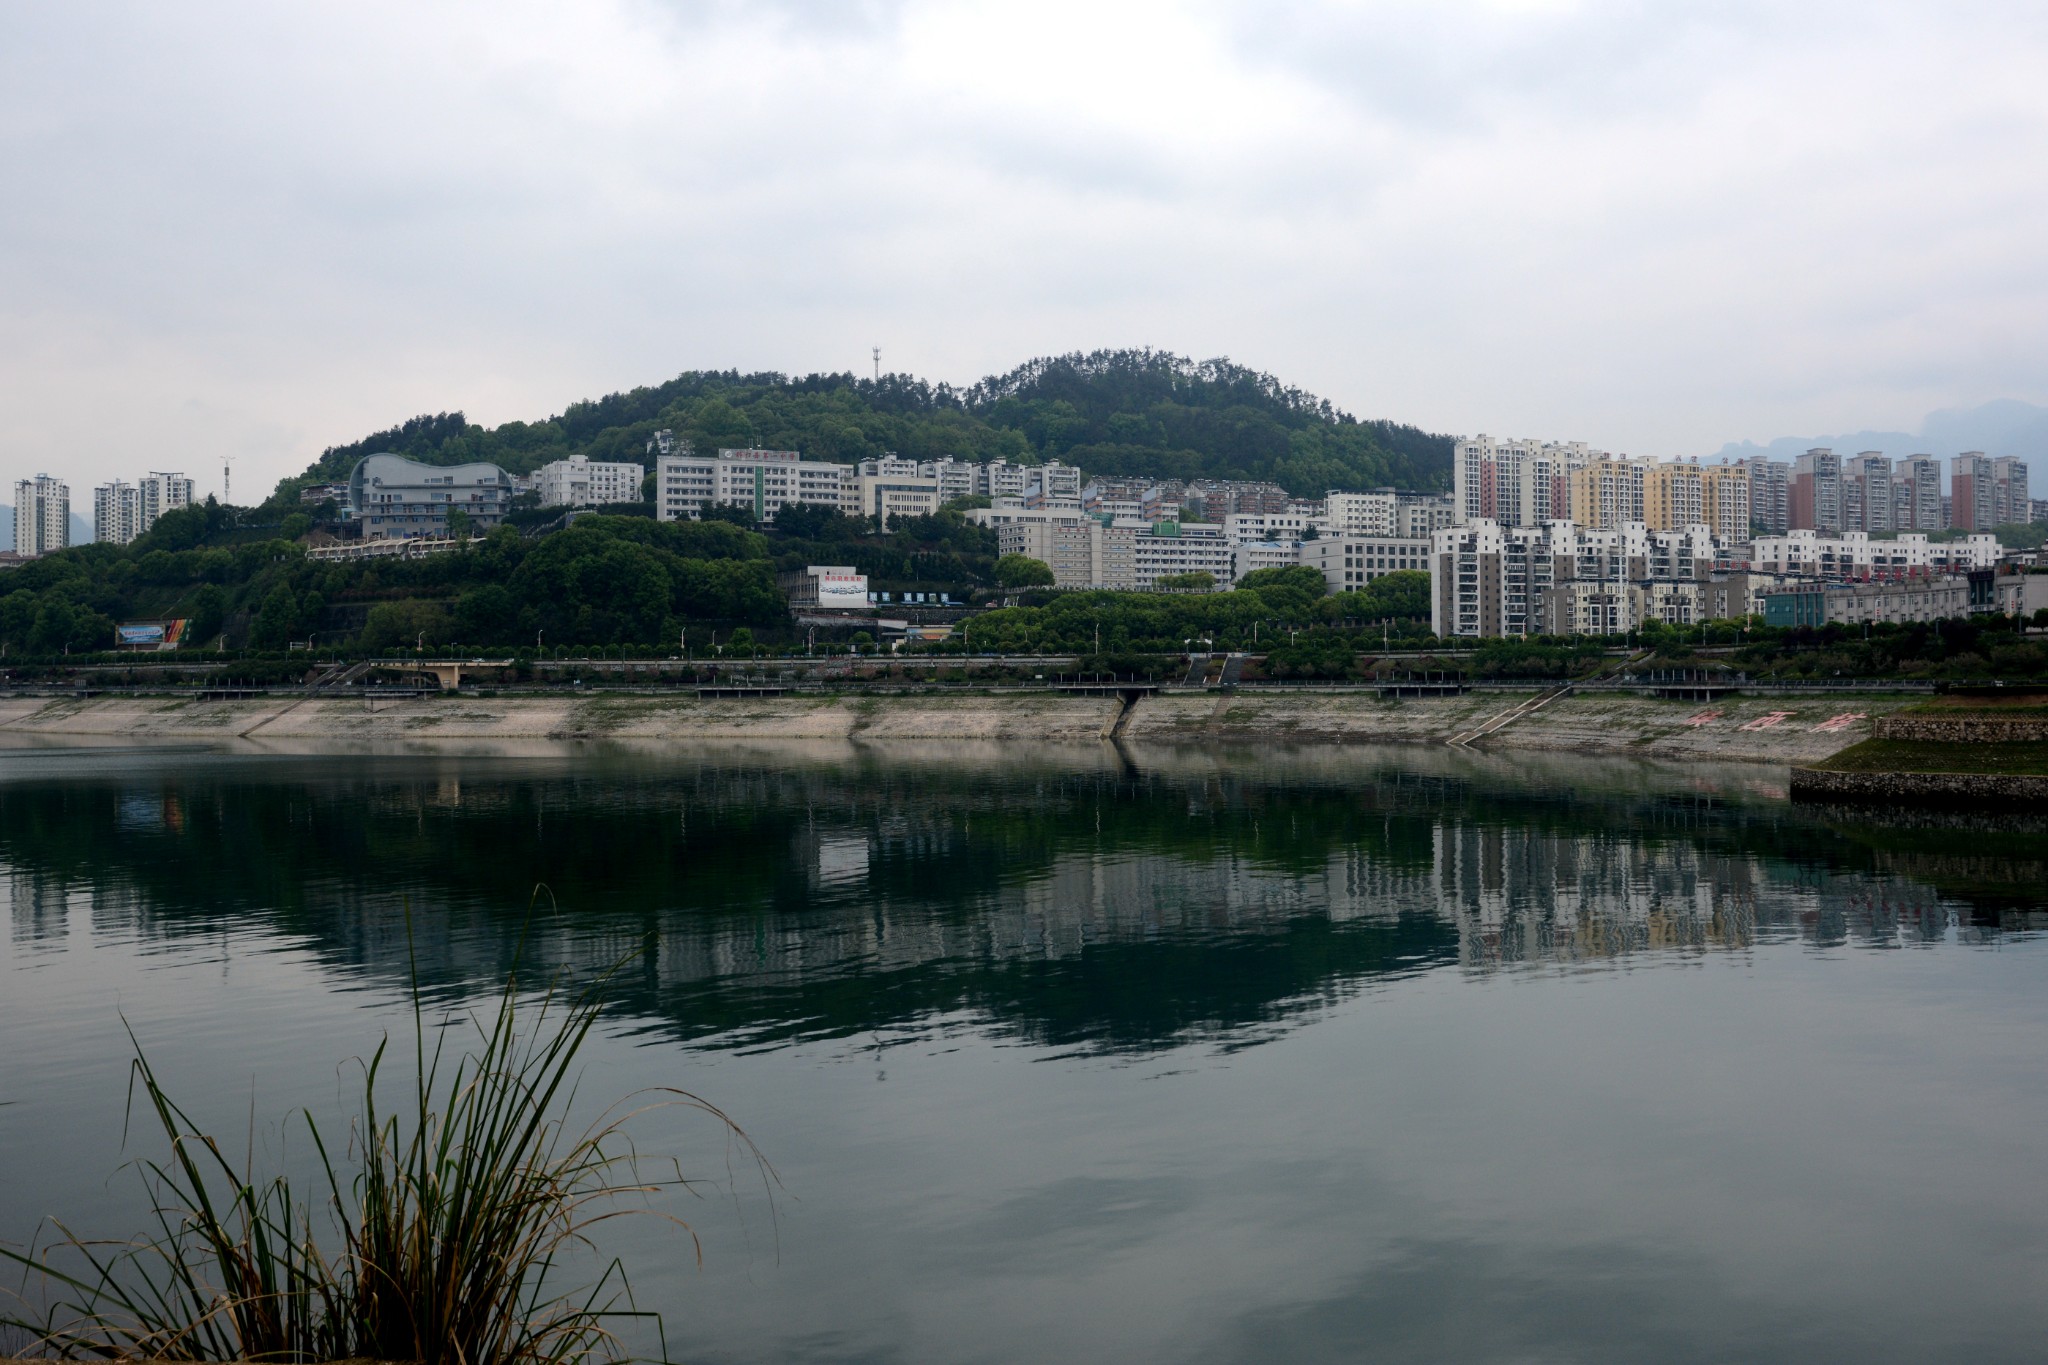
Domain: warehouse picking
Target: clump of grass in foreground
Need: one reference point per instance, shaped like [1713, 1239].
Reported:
[446, 1234]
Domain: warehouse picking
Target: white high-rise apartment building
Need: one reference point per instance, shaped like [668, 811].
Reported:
[116, 513]
[160, 493]
[579, 481]
[1515, 483]
[1867, 501]
[42, 515]
[1916, 494]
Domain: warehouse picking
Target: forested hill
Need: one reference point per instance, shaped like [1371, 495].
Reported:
[1111, 412]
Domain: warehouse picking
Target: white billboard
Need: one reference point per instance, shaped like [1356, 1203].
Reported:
[842, 589]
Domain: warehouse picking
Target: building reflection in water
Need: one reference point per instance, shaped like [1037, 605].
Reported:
[1102, 899]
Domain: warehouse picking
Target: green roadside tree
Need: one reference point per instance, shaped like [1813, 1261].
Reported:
[275, 619]
[1022, 571]
[1198, 580]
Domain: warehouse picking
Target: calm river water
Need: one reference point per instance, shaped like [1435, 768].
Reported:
[1152, 1056]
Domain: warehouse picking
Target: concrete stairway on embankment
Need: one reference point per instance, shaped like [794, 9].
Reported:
[1508, 717]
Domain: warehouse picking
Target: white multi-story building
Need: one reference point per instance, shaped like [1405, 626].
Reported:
[1855, 554]
[395, 498]
[42, 515]
[1360, 514]
[580, 481]
[1163, 549]
[1515, 483]
[1056, 480]
[1349, 562]
[160, 493]
[1006, 480]
[1916, 494]
[1489, 579]
[1252, 555]
[888, 489]
[1242, 527]
[759, 480]
[957, 478]
[122, 511]
[1423, 514]
[116, 513]
[1082, 551]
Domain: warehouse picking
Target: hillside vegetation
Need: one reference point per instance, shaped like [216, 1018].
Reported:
[1143, 413]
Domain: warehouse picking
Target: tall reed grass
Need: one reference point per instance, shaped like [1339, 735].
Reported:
[446, 1238]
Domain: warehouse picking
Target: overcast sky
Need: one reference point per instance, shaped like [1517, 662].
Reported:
[260, 229]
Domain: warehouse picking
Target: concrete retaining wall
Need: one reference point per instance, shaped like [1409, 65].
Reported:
[1961, 729]
[1975, 789]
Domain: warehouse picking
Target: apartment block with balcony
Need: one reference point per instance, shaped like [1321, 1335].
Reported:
[116, 513]
[1813, 499]
[1868, 503]
[1916, 494]
[1725, 493]
[1607, 492]
[42, 515]
[1857, 555]
[1770, 495]
[1487, 579]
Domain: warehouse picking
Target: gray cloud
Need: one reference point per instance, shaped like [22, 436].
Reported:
[256, 230]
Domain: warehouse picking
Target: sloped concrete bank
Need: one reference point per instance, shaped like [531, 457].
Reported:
[1972, 789]
[1766, 729]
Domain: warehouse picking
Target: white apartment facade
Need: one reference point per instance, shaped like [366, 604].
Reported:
[761, 481]
[42, 515]
[1514, 483]
[160, 493]
[116, 513]
[1349, 562]
[122, 511]
[1163, 549]
[1856, 554]
[1080, 550]
[580, 481]
[1242, 527]
[1252, 555]
[888, 489]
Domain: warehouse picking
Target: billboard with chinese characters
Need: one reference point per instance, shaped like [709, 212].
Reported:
[150, 634]
[842, 588]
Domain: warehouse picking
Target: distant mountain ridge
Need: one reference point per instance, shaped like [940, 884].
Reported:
[2004, 426]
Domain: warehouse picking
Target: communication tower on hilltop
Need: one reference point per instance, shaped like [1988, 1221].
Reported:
[878, 364]
[226, 467]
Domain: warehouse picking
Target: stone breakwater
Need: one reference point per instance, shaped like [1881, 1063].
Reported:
[1962, 729]
[1976, 789]
[1765, 729]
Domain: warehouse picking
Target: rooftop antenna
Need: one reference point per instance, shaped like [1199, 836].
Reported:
[878, 364]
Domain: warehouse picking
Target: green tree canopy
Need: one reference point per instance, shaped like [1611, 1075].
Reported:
[1022, 571]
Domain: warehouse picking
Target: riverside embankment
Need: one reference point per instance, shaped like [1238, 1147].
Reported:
[1769, 729]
